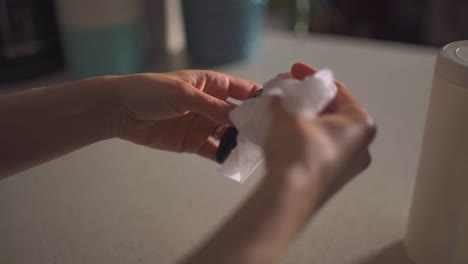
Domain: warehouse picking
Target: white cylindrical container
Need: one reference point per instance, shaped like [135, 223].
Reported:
[438, 224]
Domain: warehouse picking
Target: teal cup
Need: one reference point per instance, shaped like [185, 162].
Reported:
[223, 31]
[115, 50]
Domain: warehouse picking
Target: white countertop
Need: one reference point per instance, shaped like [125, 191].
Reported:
[115, 202]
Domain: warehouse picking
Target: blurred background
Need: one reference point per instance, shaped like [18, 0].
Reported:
[88, 38]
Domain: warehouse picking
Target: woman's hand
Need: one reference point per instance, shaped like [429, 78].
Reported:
[306, 162]
[177, 111]
[324, 153]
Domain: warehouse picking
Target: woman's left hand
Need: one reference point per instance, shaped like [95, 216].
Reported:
[176, 111]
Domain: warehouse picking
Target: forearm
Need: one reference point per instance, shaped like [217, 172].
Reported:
[44, 123]
[261, 230]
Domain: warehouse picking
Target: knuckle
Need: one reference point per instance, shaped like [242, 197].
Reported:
[179, 84]
[182, 73]
[177, 97]
[181, 87]
[187, 76]
[362, 162]
[367, 126]
[208, 74]
[366, 161]
[211, 72]
[370, 128]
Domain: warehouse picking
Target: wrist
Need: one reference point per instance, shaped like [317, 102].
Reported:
[310, 184]
[104, 112]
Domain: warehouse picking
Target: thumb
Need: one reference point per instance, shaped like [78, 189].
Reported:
[301, 70]
[209, 106]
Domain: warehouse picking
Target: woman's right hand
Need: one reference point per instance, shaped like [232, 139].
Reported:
[321, 155]
[307, 161]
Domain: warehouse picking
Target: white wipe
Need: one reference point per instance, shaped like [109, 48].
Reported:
[304, 98]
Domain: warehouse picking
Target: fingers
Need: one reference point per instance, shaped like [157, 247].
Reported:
[209, 97]
[366, 160]
[361, 162]
[219, 86]
[207, 105]
[300, 70]
[241, 89]
[344, 103]
[208, 150]
[223, 86]
[197, 137]
[347, 105]
[353, 132]
[343, 98]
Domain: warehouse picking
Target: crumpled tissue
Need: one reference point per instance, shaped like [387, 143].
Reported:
[304, 98]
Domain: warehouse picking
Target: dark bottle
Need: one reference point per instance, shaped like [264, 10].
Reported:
[29, 38]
